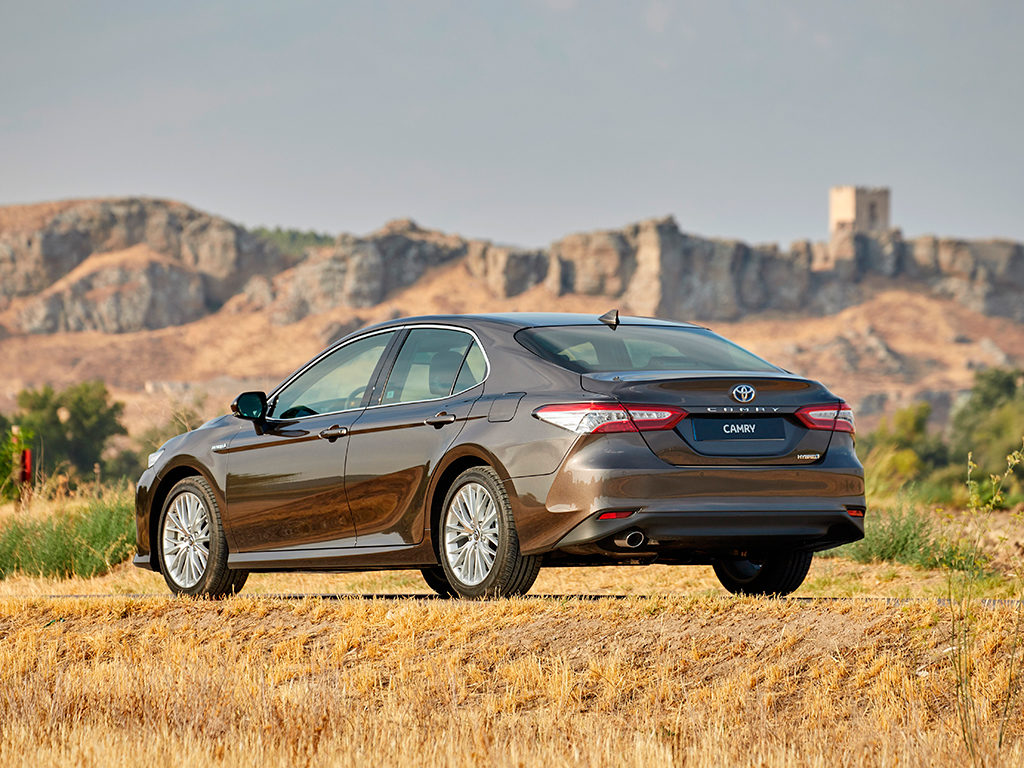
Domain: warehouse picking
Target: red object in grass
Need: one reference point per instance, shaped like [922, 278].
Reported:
[25, 470]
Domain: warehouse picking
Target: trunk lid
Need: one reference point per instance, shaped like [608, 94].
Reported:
[723, 428]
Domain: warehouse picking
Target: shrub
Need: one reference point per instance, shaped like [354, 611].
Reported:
[293, 241]
[906, 535]
[85, 541]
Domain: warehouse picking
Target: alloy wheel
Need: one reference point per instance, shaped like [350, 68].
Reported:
[186, 539]
[471, 533]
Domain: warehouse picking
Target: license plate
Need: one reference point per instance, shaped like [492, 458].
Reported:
[738, 429]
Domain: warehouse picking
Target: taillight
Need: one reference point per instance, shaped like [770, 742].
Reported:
[834, 416]
[591, 418]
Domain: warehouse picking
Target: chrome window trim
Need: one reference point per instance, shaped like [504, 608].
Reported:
[390, 329]
[440, 327]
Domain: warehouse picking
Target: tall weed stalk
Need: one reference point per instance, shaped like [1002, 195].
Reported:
[983, 747]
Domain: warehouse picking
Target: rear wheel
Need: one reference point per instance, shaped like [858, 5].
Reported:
[478, 543]
[192, 547]
[778, 575]
[437, 581]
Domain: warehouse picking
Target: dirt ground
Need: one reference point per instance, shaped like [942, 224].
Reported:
[646, 680]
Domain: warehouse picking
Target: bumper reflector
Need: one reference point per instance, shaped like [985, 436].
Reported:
[614, 515]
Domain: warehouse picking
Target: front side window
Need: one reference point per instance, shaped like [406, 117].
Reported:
[427, 365]
[337, 382]
[634, 348]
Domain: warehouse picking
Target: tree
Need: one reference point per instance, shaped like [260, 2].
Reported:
[71, 426]
[991, 422]
[901, 447]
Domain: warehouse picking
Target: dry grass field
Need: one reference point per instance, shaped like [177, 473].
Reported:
[672, 673]
[828, 578]
[625, 666]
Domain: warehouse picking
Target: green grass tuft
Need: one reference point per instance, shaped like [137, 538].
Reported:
[905, 534]
[86, 542]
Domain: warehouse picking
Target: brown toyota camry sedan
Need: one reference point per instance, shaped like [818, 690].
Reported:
[478, 448]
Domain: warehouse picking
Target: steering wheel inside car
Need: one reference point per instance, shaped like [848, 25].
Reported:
[355, 398]
[297, 412]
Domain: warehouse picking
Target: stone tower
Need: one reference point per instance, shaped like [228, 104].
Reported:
[858, 209]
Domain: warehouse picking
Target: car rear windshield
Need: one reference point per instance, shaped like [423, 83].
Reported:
[600, 349]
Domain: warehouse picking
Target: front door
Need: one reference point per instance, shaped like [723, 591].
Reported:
[397, 441]
[285, 480]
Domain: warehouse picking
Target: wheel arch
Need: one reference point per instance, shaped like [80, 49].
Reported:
[454, 464]
[163, 489]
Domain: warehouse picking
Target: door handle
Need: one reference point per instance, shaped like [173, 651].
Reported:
[440, 420]
[333, 433]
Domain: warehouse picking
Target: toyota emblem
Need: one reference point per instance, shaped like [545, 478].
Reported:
[743, 393]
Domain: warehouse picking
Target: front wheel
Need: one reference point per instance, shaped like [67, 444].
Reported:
[192, 547]
[778, 575]
[478, 543]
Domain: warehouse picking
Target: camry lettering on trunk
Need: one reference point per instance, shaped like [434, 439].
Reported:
[731, 429]
[741, 409]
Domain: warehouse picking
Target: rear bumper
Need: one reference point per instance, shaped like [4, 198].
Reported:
[718, 532]
[700, 508]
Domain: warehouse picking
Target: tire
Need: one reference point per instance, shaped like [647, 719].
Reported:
[437, 581]
[190, 532]
[773, 576]
[476, 525]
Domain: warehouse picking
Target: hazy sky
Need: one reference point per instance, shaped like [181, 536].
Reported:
[522, 121]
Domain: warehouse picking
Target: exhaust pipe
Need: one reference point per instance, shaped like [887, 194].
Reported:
[631, 539]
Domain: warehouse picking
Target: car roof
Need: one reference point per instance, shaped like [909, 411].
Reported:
[520, 320]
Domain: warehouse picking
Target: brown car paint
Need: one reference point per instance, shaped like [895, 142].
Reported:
[285, 486]
[299, 514]
[392, 453]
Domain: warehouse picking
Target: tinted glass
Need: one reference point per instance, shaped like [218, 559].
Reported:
[474, 368]
[337, 382]
[427, 365]
[599, 349]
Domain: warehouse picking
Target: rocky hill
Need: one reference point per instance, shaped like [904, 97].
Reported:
[123, 265]
[180, 287]
[127, 265]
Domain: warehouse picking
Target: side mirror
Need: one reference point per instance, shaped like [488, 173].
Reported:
[251, 406]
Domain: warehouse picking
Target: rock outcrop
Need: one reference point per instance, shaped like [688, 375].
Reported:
[60, 262]
[658, 270]
[125, 291]
[206, 256]
[363, 271]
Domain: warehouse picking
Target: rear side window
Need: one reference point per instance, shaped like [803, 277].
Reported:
[599, 349]
[474, 369]
[427, 365]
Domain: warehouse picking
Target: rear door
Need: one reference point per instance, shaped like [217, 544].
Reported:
[396, 442]
[285, 481]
